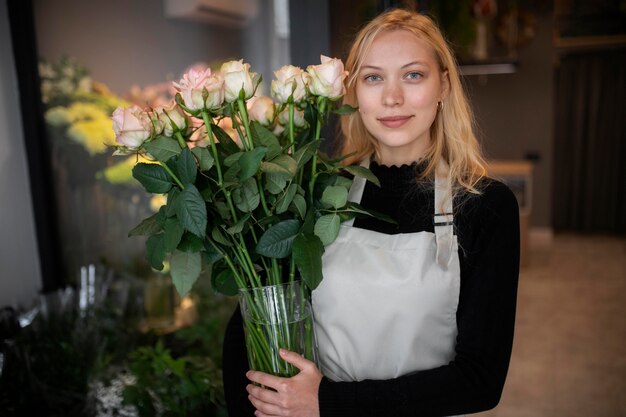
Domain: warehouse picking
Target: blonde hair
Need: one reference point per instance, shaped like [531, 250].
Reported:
[452, 136]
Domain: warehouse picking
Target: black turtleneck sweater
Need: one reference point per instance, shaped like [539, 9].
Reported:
[487, 227]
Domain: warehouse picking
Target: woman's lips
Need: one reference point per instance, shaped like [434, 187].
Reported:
[394, 121]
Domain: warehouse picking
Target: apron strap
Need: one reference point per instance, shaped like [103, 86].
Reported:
[356, 190]
[443, 218]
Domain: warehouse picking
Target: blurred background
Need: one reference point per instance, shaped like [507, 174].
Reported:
[546, 80]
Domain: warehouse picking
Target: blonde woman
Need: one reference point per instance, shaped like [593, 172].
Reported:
[414, 318]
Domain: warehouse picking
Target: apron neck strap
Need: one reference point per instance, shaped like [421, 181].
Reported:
[443, 218]
[356, 190]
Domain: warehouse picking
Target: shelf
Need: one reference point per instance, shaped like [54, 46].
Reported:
[488, 67]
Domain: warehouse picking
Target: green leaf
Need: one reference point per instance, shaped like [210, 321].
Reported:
[250, 162]
[343, 182]
[358, 209]
[217, 236]
[170, 208]
[335, 196]
[191, 211]
[275, 183]
[153, 177]
[185, 268]
[190, 243]
[231, 160]
[305, 153]
[286, 198]
[282, 164]
[204, 157]
[307, 254]
[238, 227]
[360, 171]
[155, 251]
[163, 148]
[276, 241]
[345, 110]
[173, 234]
[186, 167]
[327, 228]
[224, 282]
[226, 142]
[298, 205]
[246, 197]
[148, 226]
[262, 136]
[211, 255]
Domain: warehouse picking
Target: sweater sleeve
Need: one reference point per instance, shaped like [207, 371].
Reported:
[488, 231]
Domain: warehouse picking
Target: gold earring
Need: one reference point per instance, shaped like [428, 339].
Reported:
[440, 105]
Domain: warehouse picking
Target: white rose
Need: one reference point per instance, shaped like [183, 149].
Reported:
[132, 126]
[237, 76]
[262, 110]
[173, 119]
[290, 81]
[327, 78]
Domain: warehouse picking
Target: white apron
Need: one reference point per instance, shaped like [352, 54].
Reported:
[387, 304]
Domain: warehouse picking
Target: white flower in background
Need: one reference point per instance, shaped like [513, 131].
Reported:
[262, 110]
[298, 118]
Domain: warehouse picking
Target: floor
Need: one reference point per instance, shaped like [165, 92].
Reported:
[569, 354]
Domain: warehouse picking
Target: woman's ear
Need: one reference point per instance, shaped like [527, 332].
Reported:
[445, 84]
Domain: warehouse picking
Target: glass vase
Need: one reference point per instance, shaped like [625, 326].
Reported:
[277, 316]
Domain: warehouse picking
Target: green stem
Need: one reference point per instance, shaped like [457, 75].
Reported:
[292, 138]
[181, 140]
[169, 171]
[209, 131]
[321, 113]
[243, 112]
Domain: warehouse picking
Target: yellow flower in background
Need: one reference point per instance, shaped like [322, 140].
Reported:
[157, 201]
[57, 116]
[95, 135]
[122, 172]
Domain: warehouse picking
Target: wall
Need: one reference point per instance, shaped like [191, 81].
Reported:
[514, 113]
[20, 275]
[128, 42]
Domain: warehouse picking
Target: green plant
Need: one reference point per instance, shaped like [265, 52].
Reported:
[168, 386]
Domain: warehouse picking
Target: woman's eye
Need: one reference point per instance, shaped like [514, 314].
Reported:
[414, 75]
[372, 78]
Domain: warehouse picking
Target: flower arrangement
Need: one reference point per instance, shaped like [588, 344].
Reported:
[260, 205]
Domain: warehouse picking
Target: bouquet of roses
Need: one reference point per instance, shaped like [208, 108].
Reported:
[258, 204]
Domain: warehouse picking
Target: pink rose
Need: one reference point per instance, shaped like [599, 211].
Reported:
[327, 78]
[290, 81]
[195, 85]
[262, 110]
[237, 76]
[132, 126]
[298, 118]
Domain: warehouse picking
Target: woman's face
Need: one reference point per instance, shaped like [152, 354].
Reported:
[397, 89]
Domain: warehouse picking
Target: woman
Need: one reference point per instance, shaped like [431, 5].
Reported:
[415, 318]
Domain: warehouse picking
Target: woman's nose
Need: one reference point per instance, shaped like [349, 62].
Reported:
[393, 95]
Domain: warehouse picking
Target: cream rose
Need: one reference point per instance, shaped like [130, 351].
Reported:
[237, 76]
[173, 119]
[196, 85]
[290, 81]
[132, 126]
[327, 78]
[262, 110]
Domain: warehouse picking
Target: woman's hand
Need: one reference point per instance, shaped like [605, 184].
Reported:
[295, 396]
